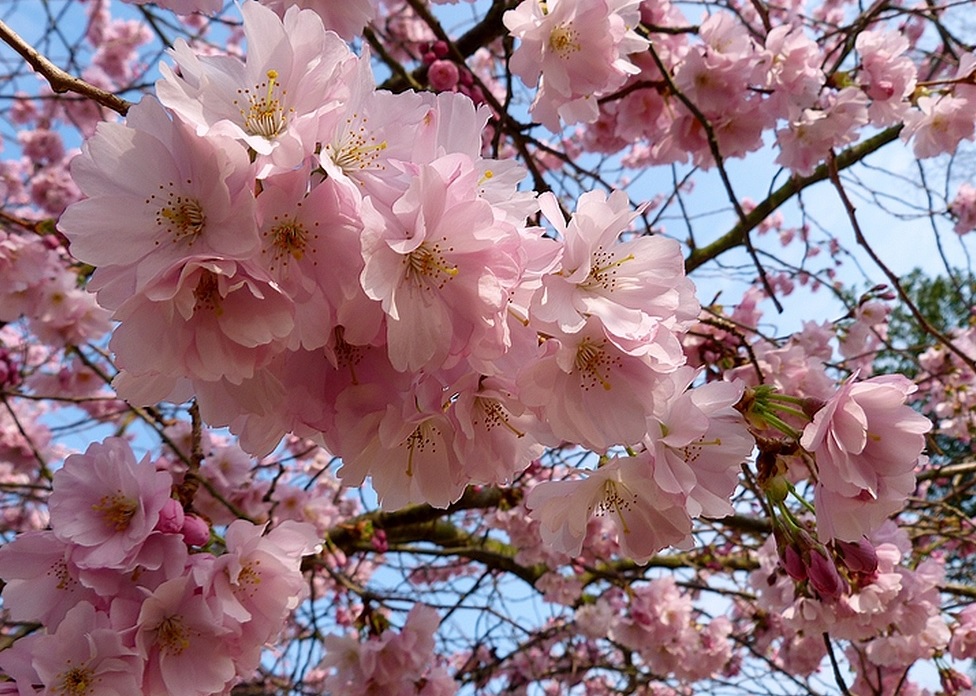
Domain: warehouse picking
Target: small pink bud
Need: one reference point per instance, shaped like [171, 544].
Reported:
[793, 563]
[440, 49]
[196, 532]
[442, 75]
[859, 557]
[170, 518]
[824, 577]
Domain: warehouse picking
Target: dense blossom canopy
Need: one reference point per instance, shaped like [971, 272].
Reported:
[421, 348]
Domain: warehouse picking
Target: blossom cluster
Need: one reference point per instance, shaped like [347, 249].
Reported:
[128, 598]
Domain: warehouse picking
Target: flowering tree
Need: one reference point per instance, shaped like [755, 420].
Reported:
[419, 348]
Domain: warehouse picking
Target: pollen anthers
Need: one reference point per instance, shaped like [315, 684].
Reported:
[564, 41]
[356, 148]
[616, 500]
[693, 450]
[207, 293]
[288, 240]
[594, 364]
[116, 510]
[74, 681]
[172, 635]
[427, 268]
[423, 438]
[262, 110]
[494, 415]
[181, 216]
[603, 269]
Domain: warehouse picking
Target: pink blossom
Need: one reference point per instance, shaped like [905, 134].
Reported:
[939, 125]
[184, 642]
[107, 503]
[87, 650]
[195, 199]
[202, 320]
[346, 18]
[632, 287]
[963, 208]
[590, 392]
[442, 264]
[40, 580]
[888, 76]
[273, 101]
[867, 443]
[624, 493]
[578, 48]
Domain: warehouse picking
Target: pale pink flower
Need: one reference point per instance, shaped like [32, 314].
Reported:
[187, 648]
[623, 492]
[392, 663]
[632, 287]
[195, 200]
[273, 101]
[867, 443]
[346, 18]
[886, 75]
[402, 440]
[442, 264]
[496, 436]
[579, 48]
[40, 581]
[87, 650]
[939, 124]
[592, 393]
[184, 7]
[815, 132]
[203, 320]
[699, 442]
[107, 503]
[258, 581]
[963, 208]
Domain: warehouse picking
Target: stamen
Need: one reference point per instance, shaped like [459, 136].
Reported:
[590, 360]
[564, 41]
[265, 114]
[426, 265]
[116, 510]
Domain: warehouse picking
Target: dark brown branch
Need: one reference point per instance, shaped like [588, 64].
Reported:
[60, 81]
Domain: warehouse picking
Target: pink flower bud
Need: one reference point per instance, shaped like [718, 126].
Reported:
[793, 563]
[171, 518]
[196, 532]
[442, 75]
[824, 577]
[859, 557]
[440, 49]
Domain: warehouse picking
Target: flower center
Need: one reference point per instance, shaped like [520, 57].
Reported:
[564, 41]
[617, 499]
[422, 439]
[495, 415]
[116, 510]
[172, 636]
[207, 293]
[264, 114]
[426, 267]
[289, 240]
[594, 364]
[76, 681]
[355, 148]
[180, 216]
[603, 270]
